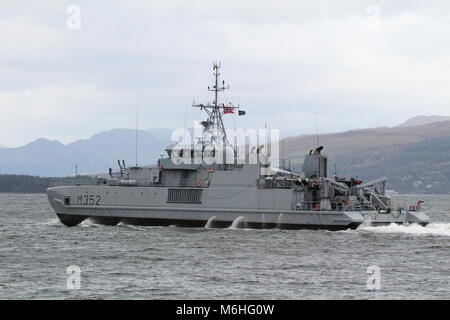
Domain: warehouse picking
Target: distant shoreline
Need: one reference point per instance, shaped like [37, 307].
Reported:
[14, 183]
[6, 192]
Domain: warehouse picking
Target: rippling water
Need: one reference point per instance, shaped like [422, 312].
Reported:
[130, 262]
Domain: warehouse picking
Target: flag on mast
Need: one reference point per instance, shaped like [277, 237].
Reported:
[228, 110]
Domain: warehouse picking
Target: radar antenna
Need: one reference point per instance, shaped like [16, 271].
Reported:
[214, 130]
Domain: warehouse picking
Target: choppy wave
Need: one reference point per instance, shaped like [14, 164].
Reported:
[439, 229]
[89, 223]
[53, 222]
[131, 226]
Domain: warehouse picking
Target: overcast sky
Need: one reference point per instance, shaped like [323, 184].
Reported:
[295, 65]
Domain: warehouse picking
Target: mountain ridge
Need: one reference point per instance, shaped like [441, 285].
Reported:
[44, 157]
[420, 120]
[414, 157]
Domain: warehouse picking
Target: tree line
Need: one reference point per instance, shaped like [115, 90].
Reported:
[23, 183]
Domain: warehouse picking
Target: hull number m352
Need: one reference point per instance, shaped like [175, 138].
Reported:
[89, 200]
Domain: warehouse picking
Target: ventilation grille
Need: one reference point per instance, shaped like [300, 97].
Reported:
[185, 196]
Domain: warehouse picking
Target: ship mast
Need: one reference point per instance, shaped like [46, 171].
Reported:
[214, 130]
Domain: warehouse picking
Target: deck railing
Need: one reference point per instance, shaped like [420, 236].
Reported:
[74, 181]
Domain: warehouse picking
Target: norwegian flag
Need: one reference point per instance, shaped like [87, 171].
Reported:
[228, 110]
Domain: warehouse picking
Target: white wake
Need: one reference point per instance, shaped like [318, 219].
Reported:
[237, 223]
[209, 222]
[89, 223]
[439, 229]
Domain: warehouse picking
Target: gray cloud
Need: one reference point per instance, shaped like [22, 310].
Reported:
[292, 64]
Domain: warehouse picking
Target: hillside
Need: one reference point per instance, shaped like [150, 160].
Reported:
[421, 120]
[416, 158]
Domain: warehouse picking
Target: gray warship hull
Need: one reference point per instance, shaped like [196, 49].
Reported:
[148, 206]
[197, 185]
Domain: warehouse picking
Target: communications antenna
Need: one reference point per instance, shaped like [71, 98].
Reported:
[137, 124]
[214, 130]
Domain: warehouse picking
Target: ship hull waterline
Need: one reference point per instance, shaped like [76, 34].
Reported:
[74, 220]
[200, 216]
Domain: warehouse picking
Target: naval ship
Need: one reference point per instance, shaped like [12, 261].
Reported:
[192, 186]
